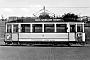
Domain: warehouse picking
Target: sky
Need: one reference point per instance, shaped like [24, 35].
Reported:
[26, 8]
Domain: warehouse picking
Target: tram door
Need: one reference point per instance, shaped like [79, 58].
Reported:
[72, 32]
[15, 32]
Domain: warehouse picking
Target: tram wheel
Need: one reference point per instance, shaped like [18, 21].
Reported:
[8, 43]
[54, 44]
[69, 44]
[30, 44]
[83, 44]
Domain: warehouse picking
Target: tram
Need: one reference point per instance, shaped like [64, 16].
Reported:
[44, 31]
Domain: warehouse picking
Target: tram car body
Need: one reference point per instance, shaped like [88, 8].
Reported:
[44, 31]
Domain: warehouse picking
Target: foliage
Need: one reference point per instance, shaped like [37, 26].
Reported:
[70, 17]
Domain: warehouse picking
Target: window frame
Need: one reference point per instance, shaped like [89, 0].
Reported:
[33, 28]
[9, 29]
[27, 25]
[16, 28]
[49, 26]
[74, 30]
[80, 27]
[65, 28]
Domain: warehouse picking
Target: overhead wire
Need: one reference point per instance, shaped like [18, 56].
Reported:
[46, 7]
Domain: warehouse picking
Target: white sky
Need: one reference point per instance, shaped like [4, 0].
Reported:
[36, 5]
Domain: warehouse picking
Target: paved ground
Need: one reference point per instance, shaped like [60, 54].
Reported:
[44, 53]
[75, 52]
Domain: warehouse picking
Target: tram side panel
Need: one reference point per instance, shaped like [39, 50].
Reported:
[40, 37]
[43, 37]
[51, 37]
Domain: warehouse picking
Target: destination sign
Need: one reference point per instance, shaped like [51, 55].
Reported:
[39, 20]
[48, 20]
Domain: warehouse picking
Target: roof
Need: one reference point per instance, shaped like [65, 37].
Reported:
[39, 20]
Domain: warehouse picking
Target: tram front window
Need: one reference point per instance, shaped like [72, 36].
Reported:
[37, 28]
[9, 28]
[49, 28]
[61, 28]
[25, 28]
[15, 28]
[79, 28]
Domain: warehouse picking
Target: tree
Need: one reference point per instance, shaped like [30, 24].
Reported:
[70, 17]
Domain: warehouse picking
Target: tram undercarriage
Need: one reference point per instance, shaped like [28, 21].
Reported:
[54, 43]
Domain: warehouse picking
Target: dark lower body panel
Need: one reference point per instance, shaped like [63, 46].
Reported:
[44, 42]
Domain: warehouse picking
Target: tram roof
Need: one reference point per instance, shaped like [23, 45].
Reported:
[39, 20]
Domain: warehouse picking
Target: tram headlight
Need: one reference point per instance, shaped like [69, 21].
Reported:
[79, 36]
[8, 36]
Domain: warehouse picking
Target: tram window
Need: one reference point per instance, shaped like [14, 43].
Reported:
[61, 28]
[72, 28]
[37, 28]
[9, 28]
[15, 28]
[25, 28]
[49, 28]
[79, 28]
